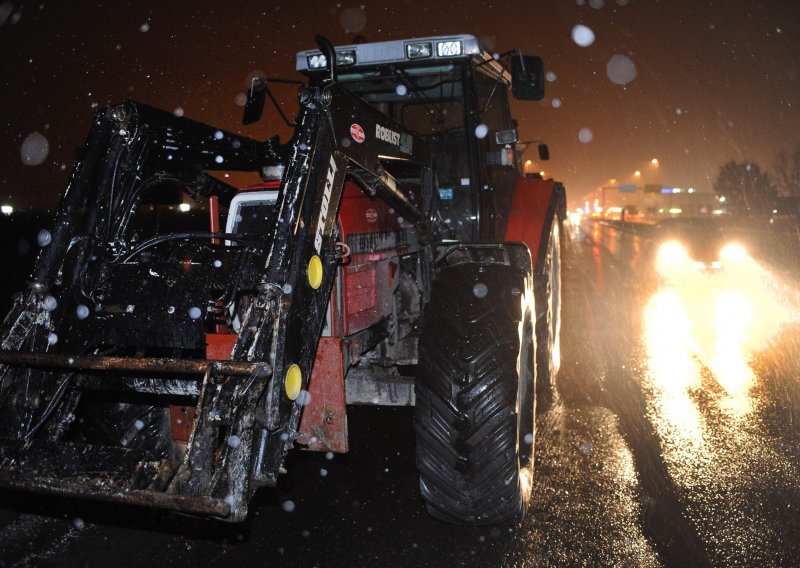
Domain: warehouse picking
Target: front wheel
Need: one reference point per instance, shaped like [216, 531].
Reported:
[474, 414]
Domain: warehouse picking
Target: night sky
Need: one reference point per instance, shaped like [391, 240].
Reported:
[714, 81]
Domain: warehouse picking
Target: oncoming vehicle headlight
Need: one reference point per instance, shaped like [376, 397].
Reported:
[671, 255]
[733, 252]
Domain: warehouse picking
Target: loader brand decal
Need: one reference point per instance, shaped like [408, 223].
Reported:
[357, 133]
[387, 135]
[402, 141]
[372, 216]
[323, 206]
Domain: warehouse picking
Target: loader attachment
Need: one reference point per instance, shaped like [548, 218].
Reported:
[156, 360]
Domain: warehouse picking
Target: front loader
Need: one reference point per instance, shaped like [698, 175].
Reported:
[179, 335]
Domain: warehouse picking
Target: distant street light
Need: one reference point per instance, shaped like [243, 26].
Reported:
[637, 173]
[654, 162]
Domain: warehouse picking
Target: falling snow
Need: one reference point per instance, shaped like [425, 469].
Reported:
[49, 303]
[353, 20]
[34, 149]
[620, 69]
[582, 35]
[44, 238]
[6, 8]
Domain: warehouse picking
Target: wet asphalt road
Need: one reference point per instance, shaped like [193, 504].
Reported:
[674, 442]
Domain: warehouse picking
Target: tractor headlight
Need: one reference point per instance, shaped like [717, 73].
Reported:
[317, 61]
[418, 50]
[273, 172]
[345, 58]
[448, 48]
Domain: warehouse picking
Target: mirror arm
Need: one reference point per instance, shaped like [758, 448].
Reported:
[277, 106]
[327, 48]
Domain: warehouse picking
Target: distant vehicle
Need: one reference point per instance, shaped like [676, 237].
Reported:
[628, 213]
[631, 214]
[695, 243]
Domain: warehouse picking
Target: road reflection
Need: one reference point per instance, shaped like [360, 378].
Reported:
[700, 324]
[717, 321]
[715, 354]
[673, 369]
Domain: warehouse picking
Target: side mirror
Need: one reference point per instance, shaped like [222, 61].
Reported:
[256, 96]
[544, 152]
[527, 77]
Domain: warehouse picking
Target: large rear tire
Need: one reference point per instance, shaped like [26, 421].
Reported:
[474, 414]
[547, 290]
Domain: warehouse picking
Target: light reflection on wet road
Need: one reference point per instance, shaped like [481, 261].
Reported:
[674, 442]
[705, 339]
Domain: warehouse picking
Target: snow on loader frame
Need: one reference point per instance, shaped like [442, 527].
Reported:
[393, 254]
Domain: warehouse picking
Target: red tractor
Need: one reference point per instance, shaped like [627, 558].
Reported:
[392, 255]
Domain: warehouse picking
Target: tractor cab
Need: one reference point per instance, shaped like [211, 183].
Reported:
[452, 93]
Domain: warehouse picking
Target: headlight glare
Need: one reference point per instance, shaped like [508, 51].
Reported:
[733, 252]
[671, 255]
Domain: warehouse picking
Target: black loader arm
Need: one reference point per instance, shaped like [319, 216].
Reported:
[110, 337]
[338, 135]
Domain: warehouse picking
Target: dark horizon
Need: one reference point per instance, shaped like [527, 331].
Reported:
[712, 83]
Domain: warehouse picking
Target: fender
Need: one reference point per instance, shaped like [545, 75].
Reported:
[534, 208]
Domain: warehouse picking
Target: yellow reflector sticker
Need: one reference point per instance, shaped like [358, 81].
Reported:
[315, 272]
[293, 382]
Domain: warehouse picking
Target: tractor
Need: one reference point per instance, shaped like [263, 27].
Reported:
[180, 335]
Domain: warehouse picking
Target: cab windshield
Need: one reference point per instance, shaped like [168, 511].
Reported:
[428, 101]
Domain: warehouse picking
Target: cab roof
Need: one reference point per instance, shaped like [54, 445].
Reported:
[424, 50]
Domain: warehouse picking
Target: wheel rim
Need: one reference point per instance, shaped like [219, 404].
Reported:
[554, 301]
[525, 400]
